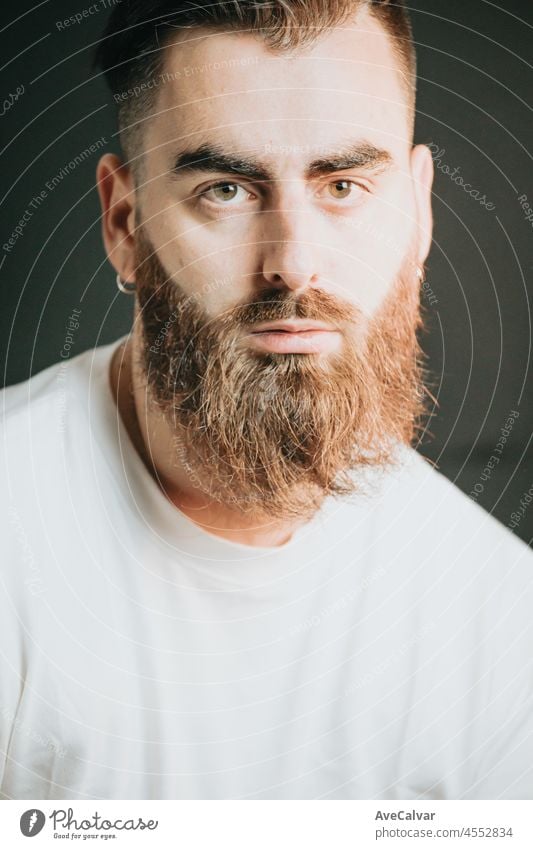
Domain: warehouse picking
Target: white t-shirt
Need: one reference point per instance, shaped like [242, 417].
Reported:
[384, 652]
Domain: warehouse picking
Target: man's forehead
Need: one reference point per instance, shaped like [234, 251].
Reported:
[351, 72]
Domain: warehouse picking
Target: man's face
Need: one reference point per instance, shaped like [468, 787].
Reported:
[311, 185]
[279, 189]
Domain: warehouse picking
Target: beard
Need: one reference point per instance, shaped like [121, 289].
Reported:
[271, 435]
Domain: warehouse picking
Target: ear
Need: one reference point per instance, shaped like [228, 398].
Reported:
[422, 174]
[116, 190]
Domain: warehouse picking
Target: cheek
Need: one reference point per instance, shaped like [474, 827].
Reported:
[204, 260]
[371, 274]
[216, 277]
[375, 247]
[367, 270]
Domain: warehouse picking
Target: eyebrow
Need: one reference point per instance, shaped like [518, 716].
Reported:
[209, 158]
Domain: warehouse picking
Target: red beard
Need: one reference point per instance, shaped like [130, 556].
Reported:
[273, 434]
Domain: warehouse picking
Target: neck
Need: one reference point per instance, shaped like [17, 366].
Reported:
[155, 444]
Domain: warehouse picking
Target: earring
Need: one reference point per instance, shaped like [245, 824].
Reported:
[125, 286]
[420, 273]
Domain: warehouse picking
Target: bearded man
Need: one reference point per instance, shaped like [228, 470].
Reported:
[228, 574]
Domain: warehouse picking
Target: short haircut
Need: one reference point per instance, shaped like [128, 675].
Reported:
[130, 53]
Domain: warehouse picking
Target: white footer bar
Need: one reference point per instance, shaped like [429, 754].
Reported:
[268, 824]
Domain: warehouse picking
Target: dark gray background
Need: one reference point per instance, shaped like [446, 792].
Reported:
[475, 87]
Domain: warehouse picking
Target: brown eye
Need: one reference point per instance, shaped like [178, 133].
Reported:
[340, 189]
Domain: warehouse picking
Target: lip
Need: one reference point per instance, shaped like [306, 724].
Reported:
[291, 325]
[295, 336]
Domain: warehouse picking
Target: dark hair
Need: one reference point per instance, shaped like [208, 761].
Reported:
[130, 51]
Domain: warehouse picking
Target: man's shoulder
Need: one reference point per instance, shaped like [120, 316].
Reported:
[412, 513]
[49, 392]
[18, 400]
[46, 424]
[432, 508]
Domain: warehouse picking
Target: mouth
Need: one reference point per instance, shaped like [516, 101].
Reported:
[291, 325]
[294, 336]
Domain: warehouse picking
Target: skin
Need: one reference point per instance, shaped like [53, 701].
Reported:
[345, 232]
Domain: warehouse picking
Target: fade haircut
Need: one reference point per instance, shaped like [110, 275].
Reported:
[131, 51]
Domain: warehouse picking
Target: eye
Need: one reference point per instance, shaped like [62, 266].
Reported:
[224, 193]
[342, 189]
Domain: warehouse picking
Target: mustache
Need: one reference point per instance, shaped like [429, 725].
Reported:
[314, 304]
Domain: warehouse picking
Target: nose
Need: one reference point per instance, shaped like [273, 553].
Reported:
[289, 253]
